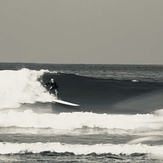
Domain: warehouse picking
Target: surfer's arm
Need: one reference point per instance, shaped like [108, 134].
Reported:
[47, 84]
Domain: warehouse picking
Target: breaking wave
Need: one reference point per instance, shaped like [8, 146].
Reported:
[21, 86]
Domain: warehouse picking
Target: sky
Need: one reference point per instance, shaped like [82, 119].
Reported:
[81, 31]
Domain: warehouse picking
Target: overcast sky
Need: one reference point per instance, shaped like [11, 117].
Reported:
[82, 31]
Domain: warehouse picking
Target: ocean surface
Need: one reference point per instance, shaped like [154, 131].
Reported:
[120, 117]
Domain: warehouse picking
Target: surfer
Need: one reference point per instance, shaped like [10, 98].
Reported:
[53, 86]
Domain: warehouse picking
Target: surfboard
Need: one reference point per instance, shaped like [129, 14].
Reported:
[64, 102]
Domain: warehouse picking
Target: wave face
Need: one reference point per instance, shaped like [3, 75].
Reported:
[109, 95]
[120, 117]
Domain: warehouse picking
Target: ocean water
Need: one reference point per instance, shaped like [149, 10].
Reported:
[120, 117]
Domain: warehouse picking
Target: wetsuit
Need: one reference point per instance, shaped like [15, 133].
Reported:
[53, 86]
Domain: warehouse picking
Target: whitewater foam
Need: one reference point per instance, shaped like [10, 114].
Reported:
[21, 86]
[14, 148]
[77, 120]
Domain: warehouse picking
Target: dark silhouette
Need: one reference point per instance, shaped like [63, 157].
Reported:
[53, 87]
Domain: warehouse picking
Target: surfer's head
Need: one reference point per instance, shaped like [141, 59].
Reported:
[52, 80]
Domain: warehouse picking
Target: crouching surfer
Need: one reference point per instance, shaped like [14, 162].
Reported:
[53, 87]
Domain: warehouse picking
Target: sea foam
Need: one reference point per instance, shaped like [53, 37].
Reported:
[77, 120]
[14, 148]
[21, 86]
